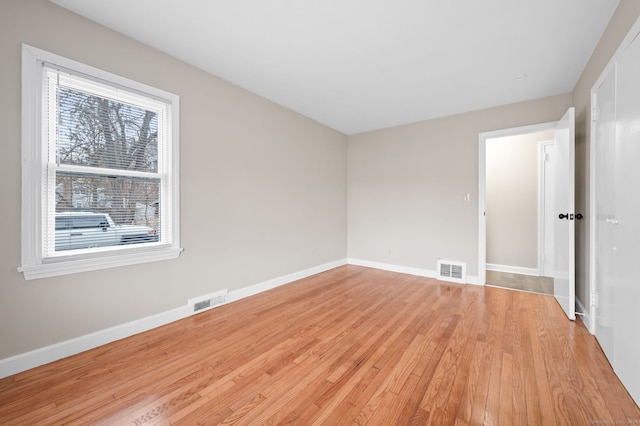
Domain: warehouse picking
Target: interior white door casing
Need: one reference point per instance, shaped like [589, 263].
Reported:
[546, 209]
[564, 170]
[564, 229]
[482, 143]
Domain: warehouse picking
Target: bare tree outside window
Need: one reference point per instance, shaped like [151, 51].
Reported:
[101, 133]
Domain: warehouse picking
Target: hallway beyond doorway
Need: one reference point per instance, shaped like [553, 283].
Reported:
[543, 285]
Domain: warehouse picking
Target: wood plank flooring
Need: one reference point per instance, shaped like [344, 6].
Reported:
[350, 346]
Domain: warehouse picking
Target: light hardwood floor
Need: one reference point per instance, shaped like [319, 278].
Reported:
[348, 346]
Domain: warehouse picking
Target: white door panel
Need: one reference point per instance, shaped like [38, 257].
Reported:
[626, 284]
[564, 235]
[606, 223]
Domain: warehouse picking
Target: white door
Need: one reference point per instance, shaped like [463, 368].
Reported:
[605, 220]
[564, 236]
[616, 212]
[626, 245]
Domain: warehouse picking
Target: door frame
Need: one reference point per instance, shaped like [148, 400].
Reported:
[543, 195]
[482, 185]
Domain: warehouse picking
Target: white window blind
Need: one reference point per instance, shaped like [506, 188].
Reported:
[106, 155]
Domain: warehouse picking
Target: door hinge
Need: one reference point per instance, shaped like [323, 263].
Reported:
[594, 114]
[594, 300]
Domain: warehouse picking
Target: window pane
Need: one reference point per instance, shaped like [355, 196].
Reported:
[98, 211]
[100, 132]
[81, 222]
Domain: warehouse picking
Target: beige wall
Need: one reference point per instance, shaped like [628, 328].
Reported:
[511, 200]
[406, 189]
[407, 185]
[263, 189]
[623, 19]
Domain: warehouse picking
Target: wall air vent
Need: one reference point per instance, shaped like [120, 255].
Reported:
[208, 301]
[452, 271]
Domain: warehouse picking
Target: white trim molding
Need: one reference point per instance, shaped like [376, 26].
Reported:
[482, 185]
[513, 269]
[393, 268]
[584, 313]
[47, 354]
[131, 257]
[286, 279]
[405, 269]
[544, 181]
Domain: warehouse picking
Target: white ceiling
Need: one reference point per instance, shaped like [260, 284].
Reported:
[359, 65]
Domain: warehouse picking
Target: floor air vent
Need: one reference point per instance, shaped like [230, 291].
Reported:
[452, 271]
[208, 301]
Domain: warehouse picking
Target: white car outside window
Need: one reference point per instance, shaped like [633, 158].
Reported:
[81, 230]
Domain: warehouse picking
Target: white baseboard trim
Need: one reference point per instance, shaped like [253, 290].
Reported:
[286, 279]
[393, 268]
[47, 354]
[513, 269]
[586, 318]
[472, 279]
[405, 269]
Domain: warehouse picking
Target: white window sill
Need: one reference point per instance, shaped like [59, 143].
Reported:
[109, 260]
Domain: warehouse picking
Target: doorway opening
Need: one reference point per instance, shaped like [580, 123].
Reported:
[516, 208]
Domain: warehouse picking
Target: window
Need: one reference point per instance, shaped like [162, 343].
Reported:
[100, 169]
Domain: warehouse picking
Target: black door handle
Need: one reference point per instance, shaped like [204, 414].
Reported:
[570, 216]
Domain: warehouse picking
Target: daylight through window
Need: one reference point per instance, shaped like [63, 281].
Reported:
[107, 164]
[103, 159]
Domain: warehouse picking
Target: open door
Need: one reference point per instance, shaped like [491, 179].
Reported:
[564, 283]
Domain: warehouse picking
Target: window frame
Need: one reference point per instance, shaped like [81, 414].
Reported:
[34, 155]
